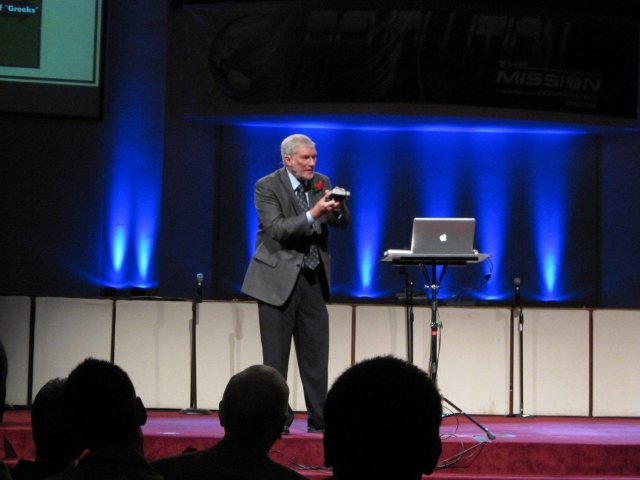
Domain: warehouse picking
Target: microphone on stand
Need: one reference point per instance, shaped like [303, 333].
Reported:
[193, 408]
[200, 281]
[516, 283]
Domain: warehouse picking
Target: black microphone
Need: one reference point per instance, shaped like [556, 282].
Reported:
[200, 281]
[516, 283]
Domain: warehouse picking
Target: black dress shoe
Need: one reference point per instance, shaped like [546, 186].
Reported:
[285, 431]
[311, 429]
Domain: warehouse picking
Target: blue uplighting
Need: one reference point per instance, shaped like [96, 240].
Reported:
[119, 224]
[369, 205]
[548, 210]
[493, 173]
[527, 188]
[513, 181]
[134, 193]
[134, 217]
[135, 109]
[407, 124]
[550, 267]
[437, 163]
[119, 248]
[147, 220]
[145, 247]
[136, 113]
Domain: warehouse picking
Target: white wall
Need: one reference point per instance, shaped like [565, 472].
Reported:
[473, 369]
[152, 346]
[616, 363]
[68, 330]
[556, 362]
[576, 361]
[228, 341]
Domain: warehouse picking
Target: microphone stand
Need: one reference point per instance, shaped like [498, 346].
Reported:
[517, 307]
[433, 283]
[516, 282]
[193, 406]
[408, 312]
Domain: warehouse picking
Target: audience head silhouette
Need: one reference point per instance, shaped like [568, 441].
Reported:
[252, 412]
[102, 406]
[254, 405]
[382, 421]
[56, 446]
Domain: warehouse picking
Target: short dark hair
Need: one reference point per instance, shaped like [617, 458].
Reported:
[254, 403]
[383, 414]
[101, 403]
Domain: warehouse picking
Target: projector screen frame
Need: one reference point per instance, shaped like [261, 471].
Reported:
[82, 97]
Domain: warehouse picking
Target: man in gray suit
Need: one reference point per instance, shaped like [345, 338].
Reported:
[290, 272]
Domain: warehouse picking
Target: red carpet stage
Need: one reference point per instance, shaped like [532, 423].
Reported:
[534, 448]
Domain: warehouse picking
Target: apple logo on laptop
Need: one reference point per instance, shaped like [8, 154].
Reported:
[443, 237]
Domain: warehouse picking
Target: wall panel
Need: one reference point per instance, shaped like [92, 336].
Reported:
[67, 330]
[473, 366]
[380, 330]
[556, 362]
[152, 343]
[340, 339]
[616, 363]
[152, 346]
[228, 341]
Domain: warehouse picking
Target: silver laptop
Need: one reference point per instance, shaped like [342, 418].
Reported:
[443, 236]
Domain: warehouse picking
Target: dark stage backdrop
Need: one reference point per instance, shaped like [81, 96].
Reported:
[243, 56]
[535, 196]
[539, 195]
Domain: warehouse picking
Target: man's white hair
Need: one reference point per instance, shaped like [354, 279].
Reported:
[289, 144]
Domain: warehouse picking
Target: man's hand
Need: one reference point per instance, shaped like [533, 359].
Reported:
[324, 205]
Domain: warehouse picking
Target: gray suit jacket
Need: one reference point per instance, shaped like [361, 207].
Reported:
[284, 235]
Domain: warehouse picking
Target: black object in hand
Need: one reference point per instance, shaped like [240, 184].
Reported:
[338, 194]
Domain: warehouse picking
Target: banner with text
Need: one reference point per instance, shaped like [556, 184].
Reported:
[286, 52]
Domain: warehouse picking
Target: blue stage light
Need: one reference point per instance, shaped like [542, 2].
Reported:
[513, 179]
[119, 229]
[144, 252]
[368, 174]
[493, 173]
[550, 272]
[134, 210]
[147, 220]
[119, 248]
[548, 209]
[134, 138]
[118, 274]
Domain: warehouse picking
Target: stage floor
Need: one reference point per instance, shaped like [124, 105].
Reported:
[528, 447]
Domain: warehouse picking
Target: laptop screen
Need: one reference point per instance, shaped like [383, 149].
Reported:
[443, 236]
